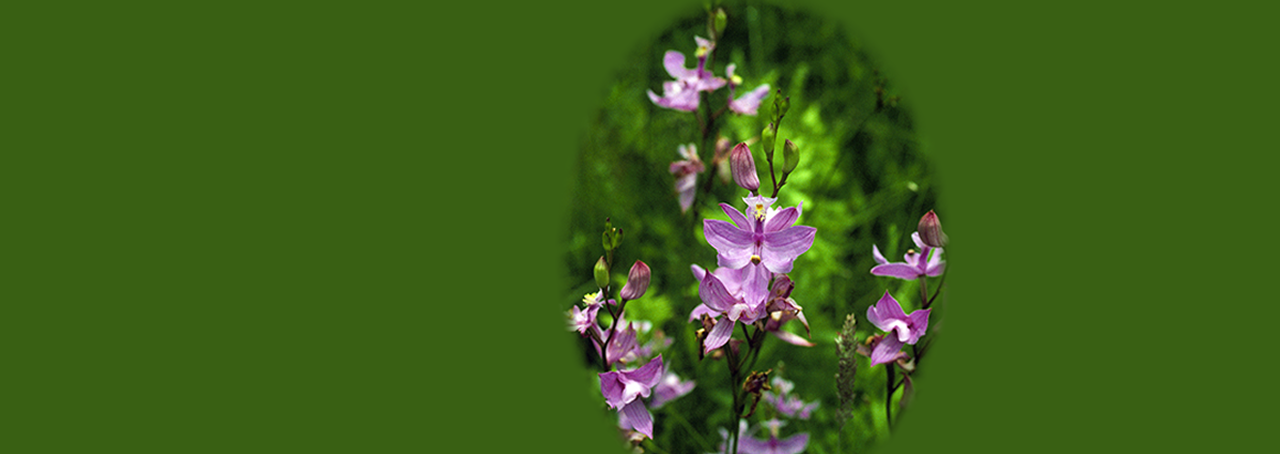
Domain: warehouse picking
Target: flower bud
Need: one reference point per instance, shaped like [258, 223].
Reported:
[721, 21]
[602, 273]
[637, 282]
[930, 230]
[767, 137]
[744, 168]
[790, 156]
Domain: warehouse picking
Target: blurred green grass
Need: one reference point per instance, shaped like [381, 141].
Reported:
[862, 178]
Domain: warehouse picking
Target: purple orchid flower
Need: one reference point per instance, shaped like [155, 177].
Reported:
[717, 298]
[622, 390]
[916, 264]
[582, 319]
[787, 404]
[682, 93]
[749, 102]
[686, 173]
[887, 315]
[670, 388]
[794, 444]
[764, 242]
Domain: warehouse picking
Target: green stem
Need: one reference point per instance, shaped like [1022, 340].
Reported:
[888, 398]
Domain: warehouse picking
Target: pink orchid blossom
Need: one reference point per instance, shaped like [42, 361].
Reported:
[686, 172]
[917, 263]
[748, 103]
[623, 389]
[682, 93]
[764, 241]
[899, 328]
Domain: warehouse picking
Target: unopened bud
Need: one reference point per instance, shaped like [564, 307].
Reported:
[790, 156]
[744, 167]
[602, 273]
[722, 20]
[930, 230]
[637, 282]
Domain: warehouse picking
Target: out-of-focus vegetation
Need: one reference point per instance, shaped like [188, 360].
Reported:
[862, 178]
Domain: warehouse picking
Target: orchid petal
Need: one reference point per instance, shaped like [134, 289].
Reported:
[648, 374]
[611, 387]
[755, 285]
[674, 62]
[886, 351]
[890, 308]
[732, 279]
[639, 417]
[686, 186]
[748, 445]
[698, 272]
[713, 293]
[936, 257]
[898, 270]
[915, 237]
[733, 244]
[884, 312]
[875, 253]
[919, 324]
[784, 246]
[782, 219]
[792, 338]
[936, 271]
[719, 335]
[700, 310]
[794, 444]
[737, 217]
[749, 103]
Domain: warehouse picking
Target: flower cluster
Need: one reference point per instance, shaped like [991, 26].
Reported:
[759, 246]
[617, 343]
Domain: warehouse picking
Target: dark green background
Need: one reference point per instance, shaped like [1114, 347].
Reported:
[331, 228]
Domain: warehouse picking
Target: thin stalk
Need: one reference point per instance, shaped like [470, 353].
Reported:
[888, 398]
[936, 291]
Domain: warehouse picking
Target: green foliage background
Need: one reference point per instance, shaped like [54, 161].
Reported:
[863, 180]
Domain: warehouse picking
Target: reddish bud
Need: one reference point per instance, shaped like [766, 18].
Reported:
[637, 282]
[744, 167]
[930, 230]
